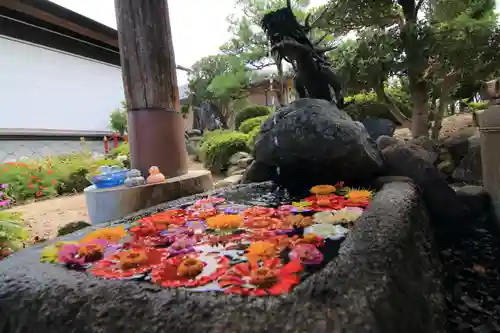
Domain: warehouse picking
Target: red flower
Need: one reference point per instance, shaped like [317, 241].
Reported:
[128, 263]
[269, 278]
[258, 211]
[327, 202]
[49, 172]
[33, 177]
[31, 186]
[202, 270]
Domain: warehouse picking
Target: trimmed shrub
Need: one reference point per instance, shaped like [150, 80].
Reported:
[366, 105]
[248, 125]
[218, 146]
[250, 112]
[252, 136]
[71, 228]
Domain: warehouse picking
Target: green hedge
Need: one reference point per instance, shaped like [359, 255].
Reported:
[217, 147]
[252, 136]
[248, 125]
[366, 105]
[250, 112]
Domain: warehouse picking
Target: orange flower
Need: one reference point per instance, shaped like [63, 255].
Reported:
[261, 250]
[49, 172]
[322, 189]
[31, 186]
[54, 182]
[222, 221]
[112, 235]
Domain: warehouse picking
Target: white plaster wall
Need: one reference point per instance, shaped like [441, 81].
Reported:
[46, 89]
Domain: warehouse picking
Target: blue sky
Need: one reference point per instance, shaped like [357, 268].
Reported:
[199, 27]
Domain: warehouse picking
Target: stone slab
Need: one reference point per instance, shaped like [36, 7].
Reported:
[109, 204]
[386, 279]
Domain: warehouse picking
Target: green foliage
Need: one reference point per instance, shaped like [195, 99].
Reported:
[476, 106]
[118, 119]
[185, 110]
[252, 136]
[122, 149]
[12, 232]
[217, 148]
[366, 105]
[250, 112]
[50, 176]
[248, 125]
[71, 228]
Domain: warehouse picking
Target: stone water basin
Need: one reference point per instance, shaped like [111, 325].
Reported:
[381, 278]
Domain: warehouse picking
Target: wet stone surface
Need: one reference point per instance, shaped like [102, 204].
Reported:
[472, 279]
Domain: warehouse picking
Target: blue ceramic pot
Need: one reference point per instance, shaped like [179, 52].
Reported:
[111, 179]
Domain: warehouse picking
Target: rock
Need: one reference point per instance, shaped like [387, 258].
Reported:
[191, 149]
[429, 145]
[378, 127]
[470, 169]
[239, 156]
[245, 162]
[444, 206]
[476, 198]
[458, 143]
[194, 133]
[231, 180]
[312, 142]
[259, 172]
[386, 141]
[235, 170]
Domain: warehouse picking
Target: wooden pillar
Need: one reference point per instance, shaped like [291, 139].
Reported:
[155, 124]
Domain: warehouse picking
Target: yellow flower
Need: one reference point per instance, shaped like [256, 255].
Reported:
[111, 234]
[358, 196]
[223, 221]
[345, 216]
[301, 204]
[51, 252]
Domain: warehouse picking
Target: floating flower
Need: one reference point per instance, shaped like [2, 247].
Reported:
[208, 202]
[326, 202]
[347, 215]
[263, 222]
[223, 221]
[192, 270]
[129, 263]
[182, 245]
[51, 253]
[287, 210]
[322, 189]
[359, 196]
[327, 231]
[111, 235]
[269, 278]
[163, 220]
[82, 254]
[197, 226]
[202, 213]
[231, 208]
[324, 217]
[261, 250]
[307, 254]
[311, 238]
[258, 211]
[299, 221]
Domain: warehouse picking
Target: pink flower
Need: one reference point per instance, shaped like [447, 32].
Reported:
[68, 255]
[4, 203]
[307, 254]
[4, 186]
[86, 253]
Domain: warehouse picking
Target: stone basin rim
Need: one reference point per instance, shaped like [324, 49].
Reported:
[67, 291]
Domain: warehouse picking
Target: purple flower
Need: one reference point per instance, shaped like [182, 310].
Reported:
[4, 186]
[4, 203]
[182, 245]
[83, 254]
[68, 255]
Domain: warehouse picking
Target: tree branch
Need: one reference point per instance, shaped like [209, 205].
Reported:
[419, 5]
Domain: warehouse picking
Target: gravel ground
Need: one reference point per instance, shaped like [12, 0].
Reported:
[472, 280]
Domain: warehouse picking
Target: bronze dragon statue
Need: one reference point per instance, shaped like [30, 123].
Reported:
[314, 77]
